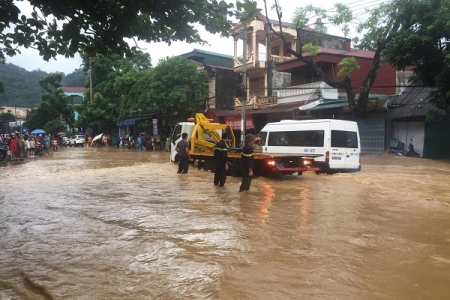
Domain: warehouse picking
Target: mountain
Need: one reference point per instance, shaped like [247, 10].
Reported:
[22, 87]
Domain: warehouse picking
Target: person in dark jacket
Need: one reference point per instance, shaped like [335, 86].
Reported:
[248, 164]
[183, 151]
[221, 160]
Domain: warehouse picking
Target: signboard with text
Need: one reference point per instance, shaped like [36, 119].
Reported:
[16, 124]
[235, 122]
[155, 126]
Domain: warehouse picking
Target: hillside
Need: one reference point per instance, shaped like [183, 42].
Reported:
[22, 87]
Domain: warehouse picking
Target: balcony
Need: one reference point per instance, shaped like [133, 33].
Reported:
[257, 62]
[255, 102]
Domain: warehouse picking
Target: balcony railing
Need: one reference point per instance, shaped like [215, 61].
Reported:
[262, 58]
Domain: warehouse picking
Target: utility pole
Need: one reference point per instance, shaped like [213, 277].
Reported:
[244, 85]
[90, 78]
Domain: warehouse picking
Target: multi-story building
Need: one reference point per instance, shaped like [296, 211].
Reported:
[276, 77]
[223, 81]
[281, 86]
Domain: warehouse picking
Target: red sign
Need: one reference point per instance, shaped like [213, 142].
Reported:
[235, 122]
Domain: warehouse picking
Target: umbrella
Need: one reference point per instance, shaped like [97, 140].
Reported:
[38, 131]
[97, 137]
[61, 133]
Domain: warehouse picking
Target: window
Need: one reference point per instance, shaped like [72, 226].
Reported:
[176, 133]
[286, 47]
[257, 86]
[310, 138]
[344, 139]
[263, 136]
[275, 50]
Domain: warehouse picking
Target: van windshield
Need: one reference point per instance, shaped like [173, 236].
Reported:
[309, 138]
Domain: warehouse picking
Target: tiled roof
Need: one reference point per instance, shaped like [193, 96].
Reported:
[210, 58]
[413, 102]
[69, 89]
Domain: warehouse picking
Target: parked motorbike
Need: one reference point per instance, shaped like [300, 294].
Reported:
[39, 149]
[411, 152]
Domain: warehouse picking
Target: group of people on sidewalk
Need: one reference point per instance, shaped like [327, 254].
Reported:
[20, 146]
[221, 160]
[142, 142]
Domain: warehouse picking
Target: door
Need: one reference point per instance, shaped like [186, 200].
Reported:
[338, 151]
[352, 150]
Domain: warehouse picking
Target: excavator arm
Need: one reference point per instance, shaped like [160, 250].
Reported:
[207, 134]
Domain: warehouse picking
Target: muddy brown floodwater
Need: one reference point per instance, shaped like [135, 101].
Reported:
[120, 224]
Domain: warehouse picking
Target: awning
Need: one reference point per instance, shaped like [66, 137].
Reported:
[285, 107]
[321, 104]
[126, 122]
[235, 122]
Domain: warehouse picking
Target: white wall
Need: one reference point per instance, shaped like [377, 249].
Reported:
[405, 131]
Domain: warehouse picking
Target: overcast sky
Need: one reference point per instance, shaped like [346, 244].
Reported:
[30, 59]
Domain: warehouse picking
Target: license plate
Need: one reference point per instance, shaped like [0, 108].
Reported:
[279, 166]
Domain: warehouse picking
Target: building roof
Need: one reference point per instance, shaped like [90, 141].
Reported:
[210, 58]
[284, 107]
[326, 51]
[70, 89]
[413, 102]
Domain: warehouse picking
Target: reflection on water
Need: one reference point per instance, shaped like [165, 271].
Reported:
[121, 224]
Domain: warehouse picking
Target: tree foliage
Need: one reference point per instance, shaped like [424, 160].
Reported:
[65, 27]
[112, 78]
[54, 127]
[424, 45]
[53, 104]
[174, 86]
[5, 118]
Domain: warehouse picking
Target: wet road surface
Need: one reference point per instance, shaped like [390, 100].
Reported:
[121, 224]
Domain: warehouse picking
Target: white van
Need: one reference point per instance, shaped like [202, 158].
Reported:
[337, 141]
[179, 129]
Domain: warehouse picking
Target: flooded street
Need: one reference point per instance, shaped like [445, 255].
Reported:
[120, 224]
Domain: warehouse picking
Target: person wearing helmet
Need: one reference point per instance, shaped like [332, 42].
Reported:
[248, 164]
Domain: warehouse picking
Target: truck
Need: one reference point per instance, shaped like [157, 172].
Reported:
[337, 142]
[203, 136]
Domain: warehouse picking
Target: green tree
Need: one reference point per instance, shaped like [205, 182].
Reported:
[425, 46]
[54, 126]
[112, 78]
[379, 30]
[65, 27]
[174, 86]
[5, 118]
[53, 104]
